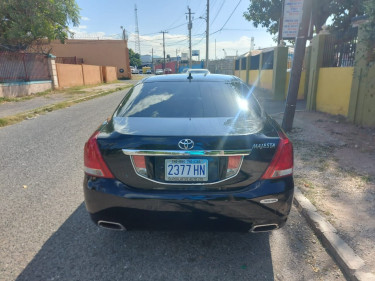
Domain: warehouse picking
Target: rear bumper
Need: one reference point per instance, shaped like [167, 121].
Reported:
[111, 200]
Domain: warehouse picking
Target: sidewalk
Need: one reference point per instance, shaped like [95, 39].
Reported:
[25, 105]
[335, 170]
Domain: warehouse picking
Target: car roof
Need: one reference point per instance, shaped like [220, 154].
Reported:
[195, 78]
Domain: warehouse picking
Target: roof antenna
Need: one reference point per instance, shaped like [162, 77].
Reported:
[190, 77]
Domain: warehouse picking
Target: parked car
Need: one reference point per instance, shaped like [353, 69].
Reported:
[134, 70]
[189, 154]
[146, 69]
[167, 71]
[159, 71]
[198, 71]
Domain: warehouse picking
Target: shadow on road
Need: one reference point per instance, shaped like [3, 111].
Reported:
[81, 251]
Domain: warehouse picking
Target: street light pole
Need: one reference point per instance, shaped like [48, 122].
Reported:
[207, 31]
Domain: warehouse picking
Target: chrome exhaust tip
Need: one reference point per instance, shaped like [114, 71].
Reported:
[111, 225]
[264, 227]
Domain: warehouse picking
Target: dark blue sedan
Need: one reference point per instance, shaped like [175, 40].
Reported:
[189, 152]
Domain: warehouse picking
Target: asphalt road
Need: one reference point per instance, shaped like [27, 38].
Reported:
[46, 234]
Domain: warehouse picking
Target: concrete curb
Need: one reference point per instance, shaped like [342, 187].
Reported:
[351, 264]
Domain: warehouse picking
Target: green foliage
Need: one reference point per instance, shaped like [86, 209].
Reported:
[266, 13]
[369, 28]
[24, 23]
[343, 11]
[135, 59]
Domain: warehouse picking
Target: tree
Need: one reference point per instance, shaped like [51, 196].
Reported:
[24, 23]
[135, 59]
[266, 13]
[369, 29]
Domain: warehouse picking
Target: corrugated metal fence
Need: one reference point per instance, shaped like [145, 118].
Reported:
[18, 67]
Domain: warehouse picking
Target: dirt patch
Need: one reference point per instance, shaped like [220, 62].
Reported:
[335, 169]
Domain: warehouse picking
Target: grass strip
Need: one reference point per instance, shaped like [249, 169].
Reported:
[13, 119]
[70, 90]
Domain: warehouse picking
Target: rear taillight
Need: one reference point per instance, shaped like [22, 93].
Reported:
[234, 164]
[140, 165]
[282, 162]
[94, 163]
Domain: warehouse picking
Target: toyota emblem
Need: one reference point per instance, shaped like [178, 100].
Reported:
[186, 144]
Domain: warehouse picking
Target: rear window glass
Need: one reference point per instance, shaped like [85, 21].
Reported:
[188, 99]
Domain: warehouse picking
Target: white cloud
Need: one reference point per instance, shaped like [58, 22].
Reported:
[85, 18]
[81, 33]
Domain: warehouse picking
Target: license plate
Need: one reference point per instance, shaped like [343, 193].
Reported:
[186, 170]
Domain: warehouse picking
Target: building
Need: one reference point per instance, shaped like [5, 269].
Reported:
[96, 52]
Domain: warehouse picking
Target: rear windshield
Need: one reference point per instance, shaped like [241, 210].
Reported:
[189, 99]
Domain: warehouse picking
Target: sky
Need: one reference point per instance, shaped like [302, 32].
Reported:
[232, 32]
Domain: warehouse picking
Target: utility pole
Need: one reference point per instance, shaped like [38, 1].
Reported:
[176, 61]
[163, 47]
[295, 76]
[152, 60]
[207, 31]
[190, 25]
[215, 50]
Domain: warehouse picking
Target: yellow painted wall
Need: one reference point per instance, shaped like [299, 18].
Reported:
[243, 75]
[301, 88]
[333, 93]
[266, 76]
[253, 76]
[237, 73]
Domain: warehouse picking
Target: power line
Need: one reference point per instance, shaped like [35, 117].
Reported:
[184, 40]
[199, 34]
[218, 12]
[160, 39]
[176, 26]
[227, 19]
[178, 18]
[149, 34]
[153, 33]
[199, 41]
[240, 29]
